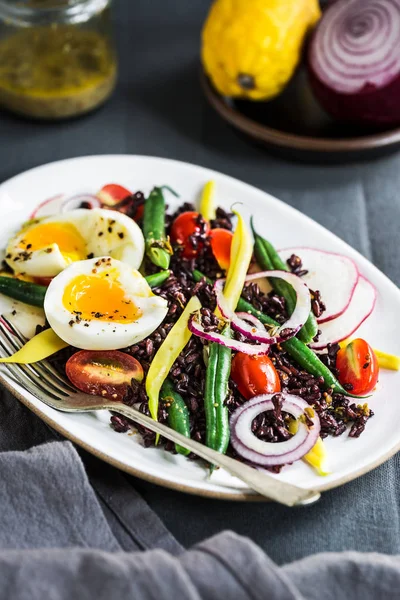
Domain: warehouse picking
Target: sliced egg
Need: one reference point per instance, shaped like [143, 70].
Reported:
[44, 247]
[102, 304]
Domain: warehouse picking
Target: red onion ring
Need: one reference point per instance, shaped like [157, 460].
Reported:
[251, 319]
[281, 333]
[358, 43]
[197, 328]
[268, 454]
[354, 61]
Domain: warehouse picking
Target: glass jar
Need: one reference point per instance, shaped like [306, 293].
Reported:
[57, 57]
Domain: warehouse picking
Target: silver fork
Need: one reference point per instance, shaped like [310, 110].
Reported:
[48, 386]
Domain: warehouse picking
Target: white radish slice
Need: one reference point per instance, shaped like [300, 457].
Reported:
[334, 275]
[61, 203]
[51, 206]
[361, 306]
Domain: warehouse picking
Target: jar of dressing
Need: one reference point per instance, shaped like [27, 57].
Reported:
[57, 57]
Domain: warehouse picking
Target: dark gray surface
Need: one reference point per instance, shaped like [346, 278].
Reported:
[158, 110]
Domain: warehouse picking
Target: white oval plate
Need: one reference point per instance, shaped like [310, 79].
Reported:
[349, 458]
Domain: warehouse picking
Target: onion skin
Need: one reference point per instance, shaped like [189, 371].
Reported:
[371, 106]
[375, 102]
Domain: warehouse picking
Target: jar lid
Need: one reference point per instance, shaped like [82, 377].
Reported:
[42, 12]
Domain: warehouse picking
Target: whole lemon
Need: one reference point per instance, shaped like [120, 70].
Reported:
[250, 48]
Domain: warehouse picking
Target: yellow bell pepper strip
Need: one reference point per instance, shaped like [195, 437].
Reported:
[207, 207]
[41, 346]
[317, 456]
[385, 360]
[166, 355]
[241, 253]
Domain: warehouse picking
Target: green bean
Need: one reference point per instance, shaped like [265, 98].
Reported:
[157, 279]
[216, 391]
[24, 291]
[209, 395]
[158, 247]
[302, 354]
[178, 414]
[221, 393]
[269, 260]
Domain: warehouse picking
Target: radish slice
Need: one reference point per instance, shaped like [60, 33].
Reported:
[197, 328]
[61, 203]
[48, 207]
[334, 275]
[76, 202]
[276, 334]
[361, 306]
[270, 454]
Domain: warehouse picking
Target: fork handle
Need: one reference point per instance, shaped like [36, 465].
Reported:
[263, 483]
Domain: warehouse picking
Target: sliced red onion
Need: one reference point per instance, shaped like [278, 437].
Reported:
[268, 454]
[76, 202]
[278, 334]
[251, 319]
[197, 328]
[354, 60]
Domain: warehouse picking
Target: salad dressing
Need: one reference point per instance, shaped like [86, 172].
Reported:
[56, 71]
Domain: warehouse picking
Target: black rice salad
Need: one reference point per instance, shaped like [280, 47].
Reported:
[336, 411]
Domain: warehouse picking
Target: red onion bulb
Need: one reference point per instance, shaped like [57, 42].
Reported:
[354, 61]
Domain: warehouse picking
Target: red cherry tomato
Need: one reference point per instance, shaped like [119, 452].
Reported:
[221, 242]
[254, 375]
[358, 365]
[43, 280]
[106, 373]
[112, 193]
[184, 226]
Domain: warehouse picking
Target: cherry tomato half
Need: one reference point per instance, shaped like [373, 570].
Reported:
[106, 373]
[254, 375]
[184, 226]
[112, 193]
[43, 280]
[358, 365]
[221, 242]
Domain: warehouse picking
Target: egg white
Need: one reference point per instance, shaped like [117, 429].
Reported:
[95, 334]
[105, 232]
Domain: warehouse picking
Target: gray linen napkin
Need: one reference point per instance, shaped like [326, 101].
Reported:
[46, 498]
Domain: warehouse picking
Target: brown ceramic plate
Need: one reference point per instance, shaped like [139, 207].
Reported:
[294, 126]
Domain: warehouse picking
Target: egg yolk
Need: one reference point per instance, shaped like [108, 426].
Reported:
[71, 244]
[94, 297]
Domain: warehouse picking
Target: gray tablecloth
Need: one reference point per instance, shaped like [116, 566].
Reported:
[158, 109]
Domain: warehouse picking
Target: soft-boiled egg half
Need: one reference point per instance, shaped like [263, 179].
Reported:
[44, 247]
[102, 304]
